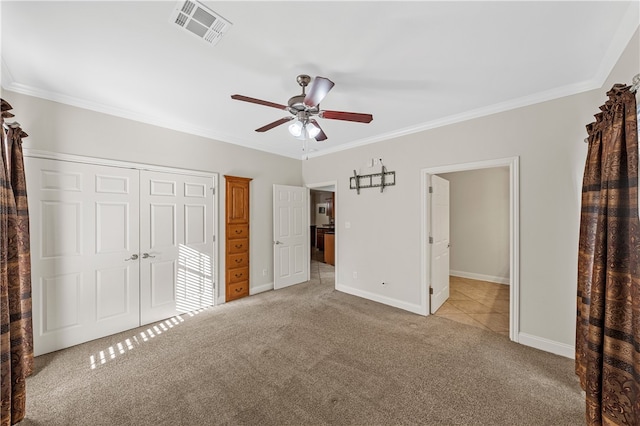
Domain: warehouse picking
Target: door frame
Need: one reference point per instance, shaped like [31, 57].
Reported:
[514, 231]
[336, 214]
[218, 296]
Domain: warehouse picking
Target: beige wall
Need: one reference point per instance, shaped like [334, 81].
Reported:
[60, 128]
[479, 223]
[383, 242]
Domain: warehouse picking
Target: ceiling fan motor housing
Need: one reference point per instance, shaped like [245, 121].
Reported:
[296, 103]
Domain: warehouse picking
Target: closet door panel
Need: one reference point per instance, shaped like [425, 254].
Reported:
[84, 224]
[177, 237]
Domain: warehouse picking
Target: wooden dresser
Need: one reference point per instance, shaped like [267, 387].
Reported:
[237, 237]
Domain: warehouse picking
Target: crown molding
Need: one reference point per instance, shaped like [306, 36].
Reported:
[9, 83]
[536, 98]
[623, 35]
[627, 28]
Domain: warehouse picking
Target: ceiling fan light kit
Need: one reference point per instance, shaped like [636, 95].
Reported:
[304, 107]
[303, 130]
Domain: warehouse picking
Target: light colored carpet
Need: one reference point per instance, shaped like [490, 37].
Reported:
[305, 355]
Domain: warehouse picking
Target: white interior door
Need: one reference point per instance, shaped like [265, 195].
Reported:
[290, 235]
[440, 242]
[84, 241]
[176, 244]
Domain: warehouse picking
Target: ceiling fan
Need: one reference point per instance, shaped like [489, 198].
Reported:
[303, 108]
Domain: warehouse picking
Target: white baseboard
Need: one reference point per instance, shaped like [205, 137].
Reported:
[547, 345]
[416, 309]
[260, 288]
[474, 276]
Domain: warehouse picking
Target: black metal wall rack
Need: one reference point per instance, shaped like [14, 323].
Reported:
[375, 180]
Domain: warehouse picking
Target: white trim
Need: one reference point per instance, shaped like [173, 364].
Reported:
[164, 122]
[411, 307]
[481, 277]
[625, 31]
[547, 345]
[514, 232]
[336, 215]
[260, 289]
[533, 99]
[218, 287]
[113, 163]
[626, 28]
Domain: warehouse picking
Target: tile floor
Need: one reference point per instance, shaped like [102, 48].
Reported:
[317, 254]
[479, 303]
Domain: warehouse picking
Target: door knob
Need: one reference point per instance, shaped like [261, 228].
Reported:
[146, 255]
[133, 257]
[278, 242]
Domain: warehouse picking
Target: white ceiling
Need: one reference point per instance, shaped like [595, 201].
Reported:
[413, 65]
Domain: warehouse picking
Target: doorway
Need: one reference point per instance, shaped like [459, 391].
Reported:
[323, 226]
[512, 165]
[478, 275]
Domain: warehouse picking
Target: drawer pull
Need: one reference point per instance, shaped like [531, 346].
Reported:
[238, 246]
[238, 231]
[238, 290]
[239, 260]
[238, 275]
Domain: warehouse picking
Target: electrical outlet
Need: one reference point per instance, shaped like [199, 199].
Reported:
[355, 275]
[264, 272]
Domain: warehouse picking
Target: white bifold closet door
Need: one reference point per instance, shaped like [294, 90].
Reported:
[114, 248]
[176, 271]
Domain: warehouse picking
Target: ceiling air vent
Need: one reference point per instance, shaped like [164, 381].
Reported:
[200, 21]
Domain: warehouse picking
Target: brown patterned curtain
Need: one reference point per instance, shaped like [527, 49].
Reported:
[16, 333]
[608, 316]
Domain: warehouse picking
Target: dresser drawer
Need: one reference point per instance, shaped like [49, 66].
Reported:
[238, 246]
[236, 275]
[237, 260]
[237, 290]
[237, 231]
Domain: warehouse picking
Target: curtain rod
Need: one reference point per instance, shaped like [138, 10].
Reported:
[13, 124]
[635, 83]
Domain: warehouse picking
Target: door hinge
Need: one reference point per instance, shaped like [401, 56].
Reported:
[430, 240]
[431, 190]
[430, 290]
[214, 239]
[213, 190]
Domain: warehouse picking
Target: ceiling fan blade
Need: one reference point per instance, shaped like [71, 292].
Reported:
[320, 136]
[319, 89]
[347, 116]
[258, 101]
[274, 124]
